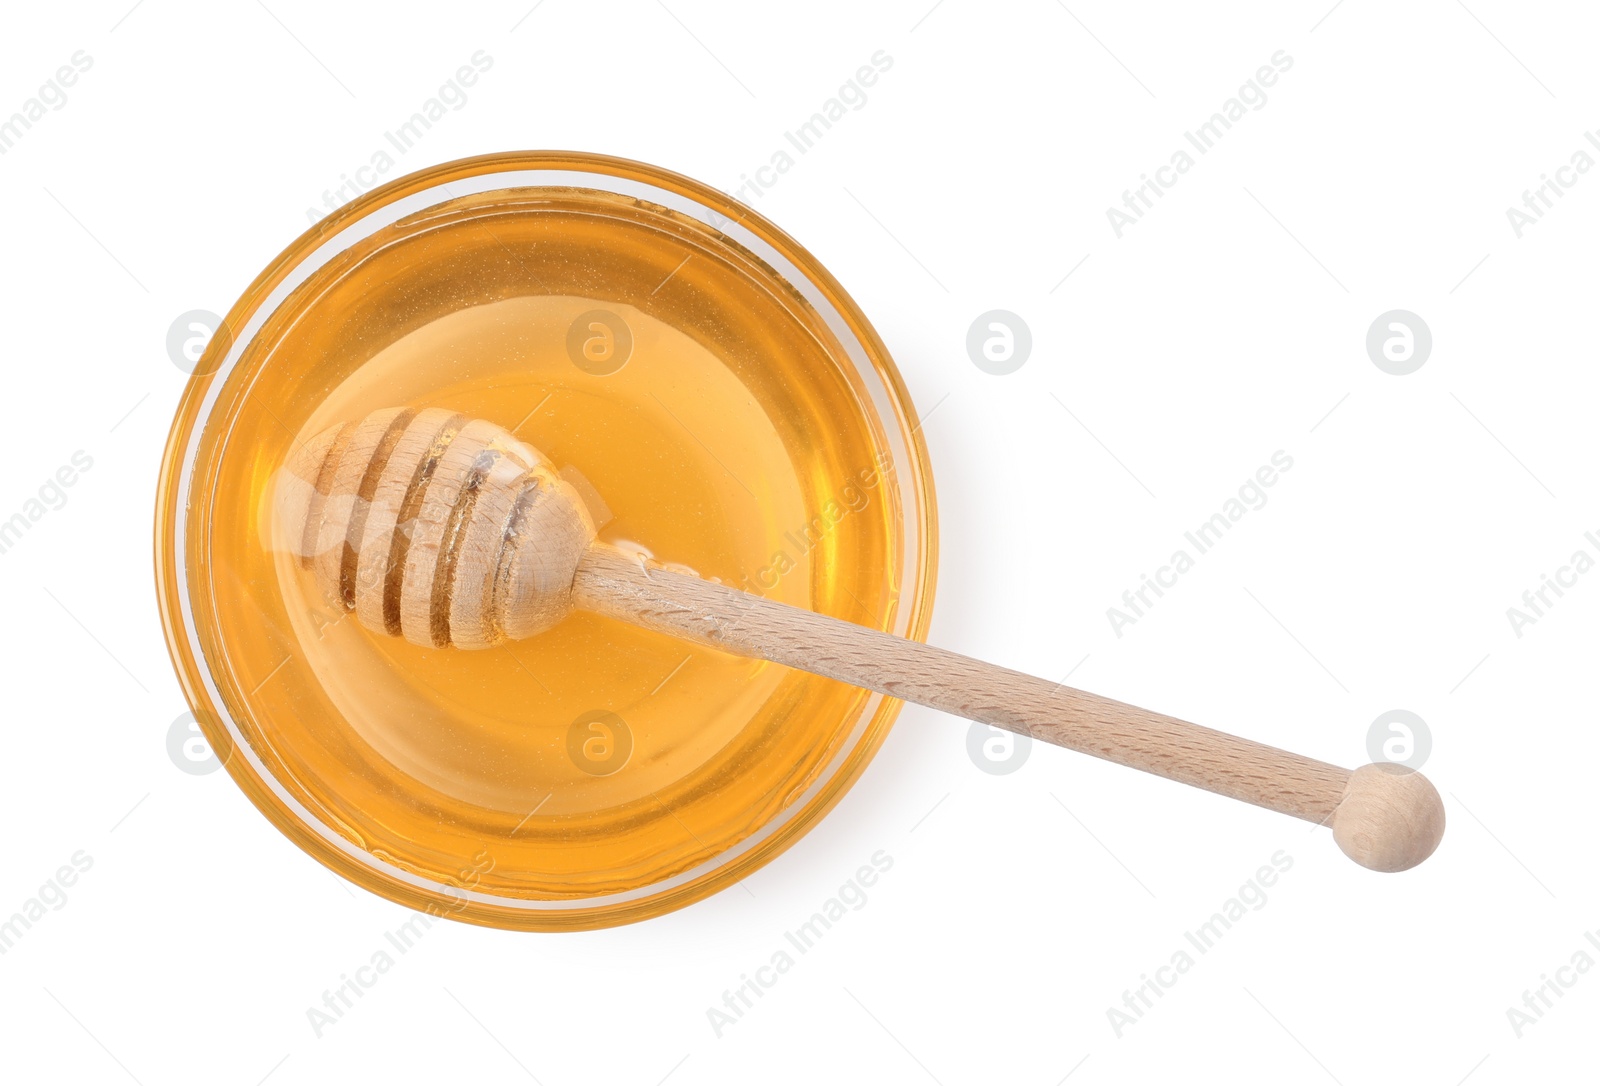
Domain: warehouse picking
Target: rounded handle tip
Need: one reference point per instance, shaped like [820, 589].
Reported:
[1390, 818]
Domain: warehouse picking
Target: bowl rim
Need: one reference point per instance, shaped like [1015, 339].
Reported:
[404, 197]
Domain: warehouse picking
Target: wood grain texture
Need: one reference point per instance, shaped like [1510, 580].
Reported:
[613, 583]
[1390, 817]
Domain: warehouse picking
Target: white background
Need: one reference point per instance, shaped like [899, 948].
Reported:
[1227, 324]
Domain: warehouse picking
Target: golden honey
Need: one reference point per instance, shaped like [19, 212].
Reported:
[709, 415]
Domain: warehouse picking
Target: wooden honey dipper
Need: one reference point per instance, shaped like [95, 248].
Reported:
[447, 530]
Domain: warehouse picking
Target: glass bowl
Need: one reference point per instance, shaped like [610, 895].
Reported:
[718, 401]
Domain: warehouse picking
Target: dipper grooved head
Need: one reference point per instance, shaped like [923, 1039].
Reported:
[438, 528]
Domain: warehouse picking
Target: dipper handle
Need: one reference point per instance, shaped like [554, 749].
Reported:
[447, 530]
[1383, 816]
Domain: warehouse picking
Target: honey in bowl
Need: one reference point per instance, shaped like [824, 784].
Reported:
[737, 421]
